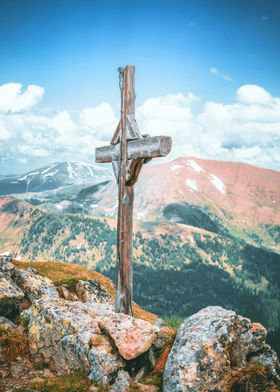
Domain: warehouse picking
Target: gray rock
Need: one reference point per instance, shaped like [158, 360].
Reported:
[92, 291]
[10, 296]
[69, 333]
[33, 285]
[6, 323]
[7, 267]
[218, 350]
[122, 382]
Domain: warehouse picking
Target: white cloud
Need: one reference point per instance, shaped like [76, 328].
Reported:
[4, 133]
[169, 115]
[34, 152]
[216, 72]
[100, 120]
[13, 100]
[246, 130]
[253, 94]
[63, 123]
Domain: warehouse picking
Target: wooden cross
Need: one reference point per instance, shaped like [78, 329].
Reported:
[128, 151]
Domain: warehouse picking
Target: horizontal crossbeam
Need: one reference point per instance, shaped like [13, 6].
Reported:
[151, 147]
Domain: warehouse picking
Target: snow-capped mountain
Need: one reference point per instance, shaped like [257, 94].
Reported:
[55, 176]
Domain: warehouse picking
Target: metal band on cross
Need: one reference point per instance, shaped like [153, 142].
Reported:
[128, 151]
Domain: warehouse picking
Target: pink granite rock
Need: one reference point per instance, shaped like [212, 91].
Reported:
[131, 336]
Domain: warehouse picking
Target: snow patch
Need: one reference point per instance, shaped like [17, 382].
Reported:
[192, 184]
[218, 183]
[48, 169]
[70, 170]
[6, 254]
[51, 174]
[194, 165]
[27, 175]
[176, 167]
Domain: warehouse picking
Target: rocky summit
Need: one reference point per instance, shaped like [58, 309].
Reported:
[64, 335]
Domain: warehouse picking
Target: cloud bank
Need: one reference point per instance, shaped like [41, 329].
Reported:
[246, 130]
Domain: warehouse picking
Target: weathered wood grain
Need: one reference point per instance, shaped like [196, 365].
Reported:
[152, 147]
[128, 151]
[126, 195]
[132, 130]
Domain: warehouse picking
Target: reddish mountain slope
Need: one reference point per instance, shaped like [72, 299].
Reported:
[243, 196]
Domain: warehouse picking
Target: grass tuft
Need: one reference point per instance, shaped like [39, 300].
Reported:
[173, 321]
[13, 343]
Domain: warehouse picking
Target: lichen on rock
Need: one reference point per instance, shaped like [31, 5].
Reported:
[33, 285]
[93, 292]
[218, 350]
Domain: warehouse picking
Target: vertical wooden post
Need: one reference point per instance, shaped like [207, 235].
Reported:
[126, 195]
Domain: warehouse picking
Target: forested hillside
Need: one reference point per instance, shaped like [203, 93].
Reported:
[176, 272]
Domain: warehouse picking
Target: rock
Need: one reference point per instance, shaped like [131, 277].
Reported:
[122, 382]
[69, 333]
[10, 296]
[131, 336]
[218, 350]
[6, 324]
[105, 362]
[93, 388]
[64, 293]
[92, 291]
[147, 388]
[6, 267]
[33, 285]
[19, 367]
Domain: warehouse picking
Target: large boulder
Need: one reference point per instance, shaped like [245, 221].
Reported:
[92, 291]
[33, 285]
[69, 334]
[76, 335]
[218, 350]
[10, 296]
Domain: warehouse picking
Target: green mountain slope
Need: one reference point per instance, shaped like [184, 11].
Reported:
[178, 269]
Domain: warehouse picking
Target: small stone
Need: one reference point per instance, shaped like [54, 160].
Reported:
[93, 388]
[63, 292]
[122, 382]
[93, 292]
[147, 388]
[140, 374]
[47, 373]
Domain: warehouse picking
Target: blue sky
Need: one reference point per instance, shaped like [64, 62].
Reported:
[72, 49]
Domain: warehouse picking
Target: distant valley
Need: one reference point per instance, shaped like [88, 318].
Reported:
[206, 232]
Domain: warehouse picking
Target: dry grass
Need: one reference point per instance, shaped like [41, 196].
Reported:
[75, 382]
[60, 273]
[13, 343]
